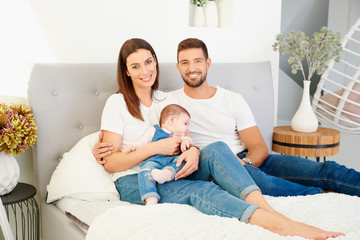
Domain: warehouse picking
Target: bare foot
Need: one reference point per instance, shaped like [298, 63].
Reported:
[327, 235]
[282, 225]
[311, 232]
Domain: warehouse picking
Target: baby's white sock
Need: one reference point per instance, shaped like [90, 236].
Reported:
[151, 201]
[161, 176]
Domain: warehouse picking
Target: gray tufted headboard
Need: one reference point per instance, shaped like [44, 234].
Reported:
[67, 101]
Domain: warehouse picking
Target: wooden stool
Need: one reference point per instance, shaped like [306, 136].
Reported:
[324, 142]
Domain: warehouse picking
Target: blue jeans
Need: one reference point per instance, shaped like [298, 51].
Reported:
[226, 198]
[275, 186]
[147, 183]
[285, 175]
[327, 175]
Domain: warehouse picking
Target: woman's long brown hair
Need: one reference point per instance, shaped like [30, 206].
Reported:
[126, 87]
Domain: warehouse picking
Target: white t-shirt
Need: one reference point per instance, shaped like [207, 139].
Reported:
[116, 118]
[218, 118]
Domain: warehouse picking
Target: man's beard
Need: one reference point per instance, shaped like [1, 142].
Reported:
[195, 84]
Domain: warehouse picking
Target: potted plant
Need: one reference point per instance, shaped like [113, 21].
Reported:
[18, 132]
[310, 56]
[199, 3]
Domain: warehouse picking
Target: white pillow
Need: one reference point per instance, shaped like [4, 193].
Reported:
[79, 176]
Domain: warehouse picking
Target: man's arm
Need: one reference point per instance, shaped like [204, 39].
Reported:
[255, 144]
[191, 157]
[101, 150]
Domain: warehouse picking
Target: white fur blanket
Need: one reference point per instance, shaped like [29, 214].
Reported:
[329, 211]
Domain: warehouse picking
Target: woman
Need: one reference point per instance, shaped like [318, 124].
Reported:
[136, 107]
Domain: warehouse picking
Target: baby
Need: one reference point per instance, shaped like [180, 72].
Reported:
[174, 122]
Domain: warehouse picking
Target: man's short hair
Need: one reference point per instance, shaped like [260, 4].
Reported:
[192, 43]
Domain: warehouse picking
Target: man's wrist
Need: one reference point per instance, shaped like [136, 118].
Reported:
[247, 161]
[196, 148]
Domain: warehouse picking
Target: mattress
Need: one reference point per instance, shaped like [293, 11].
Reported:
[121, 220]
[84, 212]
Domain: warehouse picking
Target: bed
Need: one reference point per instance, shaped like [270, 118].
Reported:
[67, 101]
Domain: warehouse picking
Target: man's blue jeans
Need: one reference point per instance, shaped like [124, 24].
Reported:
[285, 175]
[327, 175]
[223, 198]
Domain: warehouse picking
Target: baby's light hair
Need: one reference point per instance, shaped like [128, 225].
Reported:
[171, 110]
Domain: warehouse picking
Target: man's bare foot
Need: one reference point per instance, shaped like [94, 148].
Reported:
[329, 191]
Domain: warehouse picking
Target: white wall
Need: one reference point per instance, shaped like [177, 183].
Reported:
[93, 31]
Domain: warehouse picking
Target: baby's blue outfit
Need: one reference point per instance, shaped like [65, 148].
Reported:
[146, 182]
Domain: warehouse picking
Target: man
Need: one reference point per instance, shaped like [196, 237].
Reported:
[276, 175]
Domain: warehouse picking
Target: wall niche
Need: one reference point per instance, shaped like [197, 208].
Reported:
[214, 14]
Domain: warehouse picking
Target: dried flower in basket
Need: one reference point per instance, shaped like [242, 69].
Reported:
[18, 130]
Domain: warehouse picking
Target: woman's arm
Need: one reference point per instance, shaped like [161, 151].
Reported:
[118, 161]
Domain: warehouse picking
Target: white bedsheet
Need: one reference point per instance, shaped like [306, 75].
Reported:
[329, 211]
[66, 203]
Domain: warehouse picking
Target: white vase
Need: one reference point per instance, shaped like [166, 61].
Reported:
[305, 119]
[225, 12]
[199, 18]
[9, 173]
[211, 14]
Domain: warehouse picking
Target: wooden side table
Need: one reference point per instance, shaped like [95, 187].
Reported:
[322, 143]
[22, 210]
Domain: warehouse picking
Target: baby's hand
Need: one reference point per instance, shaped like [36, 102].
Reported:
[129, 148]
[185, 144]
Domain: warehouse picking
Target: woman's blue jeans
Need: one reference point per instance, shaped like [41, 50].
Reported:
[224, 198]
[148, 186]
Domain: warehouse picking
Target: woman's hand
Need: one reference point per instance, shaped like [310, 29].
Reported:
[191, 157]
[169, 146]
[101, 150]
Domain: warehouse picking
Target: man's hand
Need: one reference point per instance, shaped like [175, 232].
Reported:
[191, 157]
[101, 150]
[241, 161]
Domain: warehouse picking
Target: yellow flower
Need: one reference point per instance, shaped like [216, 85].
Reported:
[18, 130]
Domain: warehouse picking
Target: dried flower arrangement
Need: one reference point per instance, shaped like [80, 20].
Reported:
[317, 51]
[18, 130]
